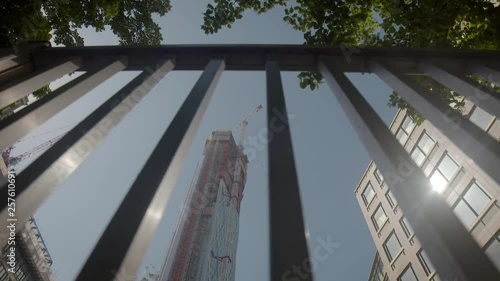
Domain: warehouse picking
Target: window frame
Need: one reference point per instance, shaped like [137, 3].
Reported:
[386, 249]
[378, 176]
[409, 266]
[437, 170]
[404, 130]
[375, 224]
[495, 238]
[391, 199]
[365, 200]
[417, 147]
[486, 126]
[405, 225]
[473, 182]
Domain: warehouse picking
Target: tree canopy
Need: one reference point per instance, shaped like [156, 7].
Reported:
[461, 24]
[42, 20]
[34, 20]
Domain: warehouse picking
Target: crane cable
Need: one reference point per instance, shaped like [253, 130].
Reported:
[46, 132]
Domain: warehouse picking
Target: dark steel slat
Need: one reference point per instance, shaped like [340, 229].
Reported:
[470, 139]
[23, 122]
[119, 251]
[35, 184]
[492, 74]
[288, 238]
[457, 81]
[23, 86]
[452, 250]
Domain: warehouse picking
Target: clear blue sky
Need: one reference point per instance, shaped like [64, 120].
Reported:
[330, 158]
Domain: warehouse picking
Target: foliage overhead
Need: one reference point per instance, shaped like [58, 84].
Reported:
[461, 24]
[33, 20]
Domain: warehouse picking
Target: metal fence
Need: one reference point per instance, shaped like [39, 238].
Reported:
[123, 244]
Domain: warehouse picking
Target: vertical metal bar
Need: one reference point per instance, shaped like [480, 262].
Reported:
[474, 142]
[288, 239]
[120, 250]
[457, 81]
[491, 73]
[452, 250]
[20, 124]
[35, 184]
[19, 88]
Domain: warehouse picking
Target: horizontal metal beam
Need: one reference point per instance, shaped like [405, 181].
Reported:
[252, 57]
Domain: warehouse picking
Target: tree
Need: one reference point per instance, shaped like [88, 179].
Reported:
[34, 20]
[130, 20]
[462, 24]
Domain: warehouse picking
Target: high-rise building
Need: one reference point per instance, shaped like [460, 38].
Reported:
[473, 196]
[204, 243]
[31, 258]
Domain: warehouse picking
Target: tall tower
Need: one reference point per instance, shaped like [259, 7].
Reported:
[204, 243]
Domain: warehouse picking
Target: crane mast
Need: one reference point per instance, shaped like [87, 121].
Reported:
[243, 125]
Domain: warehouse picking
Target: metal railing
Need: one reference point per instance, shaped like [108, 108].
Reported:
[120, 249]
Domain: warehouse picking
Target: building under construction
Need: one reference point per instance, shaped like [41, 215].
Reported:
[204, 243]
[205, 240]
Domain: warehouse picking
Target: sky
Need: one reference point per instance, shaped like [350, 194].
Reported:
[329, 157]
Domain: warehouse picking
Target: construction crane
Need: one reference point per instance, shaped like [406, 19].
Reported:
[14, 161]
[243, 125]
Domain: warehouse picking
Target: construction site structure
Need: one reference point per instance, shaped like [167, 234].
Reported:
[205, 240]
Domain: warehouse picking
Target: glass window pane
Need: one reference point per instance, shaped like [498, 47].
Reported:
[493, 251]
[408, 275]
[368, 193]
[481, 118]
[407, 227]
[408, 125]
[476, 198]
[391, 199]
[426, 143]
[448, 167]
[401, 136]
[438, 181]
[426, 263]
[418, 156]
[392, 246]
[464, 213]
[379, 217]
[379, 175]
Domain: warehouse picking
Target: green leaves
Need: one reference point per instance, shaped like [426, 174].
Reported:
[389, 23]
[131, 20]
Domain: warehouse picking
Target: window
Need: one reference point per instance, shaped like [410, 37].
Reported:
[3, 273]
[480, 117]
[493, 250]
[379, 217]
[423, 148]
[368, 193]
[391, 199]
[447, 167]
[427, 265]
[472, 204]
[377, 273]
[404, 131]
[406, 227]
[392, 246]
[378, 176]
[408, 275]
